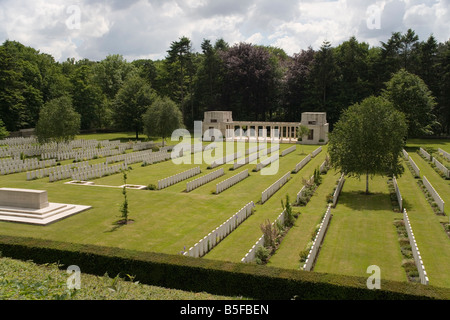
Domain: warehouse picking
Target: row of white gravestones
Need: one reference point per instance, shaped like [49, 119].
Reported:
[415, 167]
[251, 158]
[316, 152]
[167, 182]
[266, 162]
[251, 254]
[18, 141]
[214, 237]
[270, 191]
[445, 154]
[138, 155]
[302, 191]
[98, 172]
[45, 172]
[21, 167]
[405, 154]
[288, 150]
[231, 181]
[139, 146]
[397, 192]
[415, 250]
[302, 163]
[194, 184]
[317, 241]
[227, 159]
[84, 154]
[338, 190]
[425, 154]
[437, 198]
[441, 167]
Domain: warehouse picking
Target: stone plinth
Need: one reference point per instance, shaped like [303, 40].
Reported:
[32, 206]
[23, 198]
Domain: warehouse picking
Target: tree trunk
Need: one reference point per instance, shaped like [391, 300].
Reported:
[367, 183]
[137, 134]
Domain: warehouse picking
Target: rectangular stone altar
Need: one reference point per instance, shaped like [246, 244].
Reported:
[32, 206]
[23, 198]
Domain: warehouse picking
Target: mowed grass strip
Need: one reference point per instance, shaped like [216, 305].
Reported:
[240, 241]
[433, 243]
[296, 240]
[361, 233]
[441, 185]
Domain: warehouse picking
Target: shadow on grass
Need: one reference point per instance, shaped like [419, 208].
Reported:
[360, 201]
[119, 224]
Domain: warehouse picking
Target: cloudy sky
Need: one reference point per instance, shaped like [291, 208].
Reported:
[137, 29]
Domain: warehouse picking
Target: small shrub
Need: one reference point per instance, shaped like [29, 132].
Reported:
[151, 187]
[304, 255]
[262, 255]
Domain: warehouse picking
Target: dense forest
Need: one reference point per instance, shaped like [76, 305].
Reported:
[255, 82]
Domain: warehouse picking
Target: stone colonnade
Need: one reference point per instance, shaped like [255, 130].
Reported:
[240, 130]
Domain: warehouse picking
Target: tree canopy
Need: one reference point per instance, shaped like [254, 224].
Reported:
[368, 139]
[58, 121]
[255, 82]
[162, 118]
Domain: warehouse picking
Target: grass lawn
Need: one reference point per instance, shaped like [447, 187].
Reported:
[164, 221]
[433, 243]
[296, 240]
[441, 185]
[240, 241]
[361, 233]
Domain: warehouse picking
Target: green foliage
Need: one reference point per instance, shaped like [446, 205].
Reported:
[410, 95]
[58, 121]
[124, 208]
[162, 118]
[289, 215]
[368, 139]
[262, 255]
[3, 132]
[131, 102]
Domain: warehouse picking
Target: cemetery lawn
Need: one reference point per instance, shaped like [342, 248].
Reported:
[298, 237]
[361, 233]
[433, 243]
[168, 220]
[236, 245]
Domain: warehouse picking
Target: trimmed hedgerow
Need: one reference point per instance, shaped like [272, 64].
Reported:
[216, 277]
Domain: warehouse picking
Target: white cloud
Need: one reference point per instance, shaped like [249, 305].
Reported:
[145, 28]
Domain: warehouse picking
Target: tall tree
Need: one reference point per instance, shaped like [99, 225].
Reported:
[58, 121]
[131, 102]
[353, 82]
[110, 74]
[88, 99]
[180, 70]
[296, 84]
[162, 118]
[324, 77]
[368, 140]
[250, 81]
[410, 95]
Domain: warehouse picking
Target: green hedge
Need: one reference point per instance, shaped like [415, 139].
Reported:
[216, 277]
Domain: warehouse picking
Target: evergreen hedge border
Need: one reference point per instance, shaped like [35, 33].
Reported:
[215, 277]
